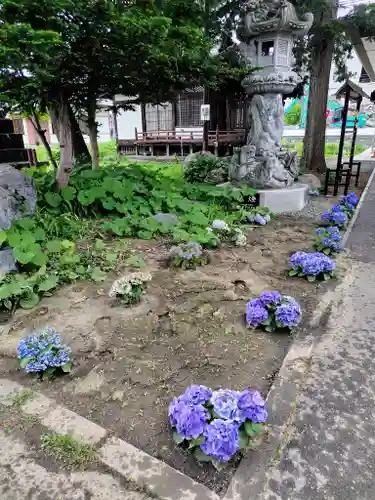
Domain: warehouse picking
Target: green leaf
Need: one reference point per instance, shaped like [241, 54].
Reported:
[68, 193]
[251, 428]
[311, 278]
[200, 456]
[244, 439]
[3, 237]
[109, 203]
[23, 256]
[53, 199]
[293, 272]
[218, 465]
[29, 301]
[48, 284]
[48, 373]
[327, 276]
[67, 368]
[267, 321]
[99, 245]
[145, 235]
[23, 362]
[135, 261]
[54, 246]
[196, 442]
[98, 275]
[326, 251]
[177, 438]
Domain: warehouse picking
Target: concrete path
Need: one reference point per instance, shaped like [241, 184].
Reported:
[329, 441]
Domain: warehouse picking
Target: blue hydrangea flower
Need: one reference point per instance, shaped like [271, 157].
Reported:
[197, 394]
[270, 297]
[320, 230]
[289, 314]
[221, 440]
[224, 402]
[190, 420]
[253, 406]
[220, 225]
[260, 220]
[297, 259]
[255, 313]
[312, 263]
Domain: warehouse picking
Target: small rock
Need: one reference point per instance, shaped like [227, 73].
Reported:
[311, 180]
[230, 295]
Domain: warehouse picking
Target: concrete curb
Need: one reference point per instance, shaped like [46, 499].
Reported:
[134, 465]
[356, 213]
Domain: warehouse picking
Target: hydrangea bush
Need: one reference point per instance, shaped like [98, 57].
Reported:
[328, 240]
[337, 216]
[187, 255]
[272, 311]
[215, 425]
[259, 215]
[225, 232]
[129, 288]
[349, 203]
[42, 353]
[312, 265]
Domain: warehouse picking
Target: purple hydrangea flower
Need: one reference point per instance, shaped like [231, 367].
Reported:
[189, 420]
[197, 394]
[270, 297]
[225, 403]
[288, 314]
[312, 263]
[320, 230]
[253, 406]
[221, 440]
[255, 313]
[297, 259]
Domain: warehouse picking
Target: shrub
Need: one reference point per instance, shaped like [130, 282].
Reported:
[337, 216]
[216, 425]
[273, 311]
[328, 240]
[187, 255]
[259, 215]
[312, 265]
[202, 166]
[129, 288]
[225, 232]
[349, 203]
[43, 354]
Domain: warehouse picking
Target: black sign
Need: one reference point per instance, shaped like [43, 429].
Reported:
[252, 201]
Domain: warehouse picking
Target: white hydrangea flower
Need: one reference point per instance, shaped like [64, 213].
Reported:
[220, 225]
[123, 285]
[240, 239]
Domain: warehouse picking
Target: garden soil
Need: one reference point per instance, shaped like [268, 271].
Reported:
[189, 328]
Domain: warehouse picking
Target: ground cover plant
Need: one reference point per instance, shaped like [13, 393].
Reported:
[312, 266]
[328, 240]
[272, 311]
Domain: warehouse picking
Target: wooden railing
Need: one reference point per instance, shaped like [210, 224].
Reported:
[189, 136]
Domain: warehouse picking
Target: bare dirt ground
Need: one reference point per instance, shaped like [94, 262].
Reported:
[189, 328]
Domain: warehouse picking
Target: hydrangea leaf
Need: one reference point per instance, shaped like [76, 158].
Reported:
[48, 284]
[251, 428]
[293, 272]
[49, 372]
[98, 275]
[177, 438]
[201, 456]
[29, 301]
[326, 276]
[23, 362]
[218, 465]
[244, 439]
[196, 442]
[67, 367]
[311, 278]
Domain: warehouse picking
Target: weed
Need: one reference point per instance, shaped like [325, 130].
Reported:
[22, 397]
[68, 450]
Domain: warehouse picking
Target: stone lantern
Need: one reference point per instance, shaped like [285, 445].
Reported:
[266, 33]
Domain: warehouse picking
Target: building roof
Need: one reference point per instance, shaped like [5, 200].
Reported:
[356, 92]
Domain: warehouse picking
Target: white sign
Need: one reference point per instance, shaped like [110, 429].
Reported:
[205, 112]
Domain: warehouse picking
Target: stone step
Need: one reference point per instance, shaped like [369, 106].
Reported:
[13, 155]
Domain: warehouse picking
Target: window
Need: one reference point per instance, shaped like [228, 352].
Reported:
[268, 48]
[189, 110]
[364, 78]
[159, 117]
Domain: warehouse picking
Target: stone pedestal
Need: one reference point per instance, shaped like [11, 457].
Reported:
[291, 199]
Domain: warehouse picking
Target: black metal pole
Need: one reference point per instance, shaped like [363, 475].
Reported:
[342, 141]
[352, 148]
[206, 123]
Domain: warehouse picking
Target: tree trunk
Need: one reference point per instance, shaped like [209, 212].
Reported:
[315, 133]
[93, 134]
[80, 148]
[42, 134]
[66, 143]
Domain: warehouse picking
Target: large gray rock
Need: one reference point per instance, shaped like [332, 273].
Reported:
[7, 262]
[311, 180]
[166, 219]
[17, 195]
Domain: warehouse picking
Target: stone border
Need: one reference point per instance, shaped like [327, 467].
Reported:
[149, 473]
[250, 477]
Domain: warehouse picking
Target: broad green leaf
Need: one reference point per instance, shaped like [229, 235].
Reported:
[54, 246]
[196, 442]
[98, 275]
[29, 301]
[53, 199]
[3, 236]
[67, 368]
[327, 276]
[200, 456]
[311, 278]
[99, 245]
[244, 439]
[267, 321]
[48, 284]
[68, 193]
[326, 251]
[251, 428]
[23, 362]
[109, 203]
[23, 256]
[177, 438]
[48, 373]
[293, 272]
[218, 465]
[135, 261]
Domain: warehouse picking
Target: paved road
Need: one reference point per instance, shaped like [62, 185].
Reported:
[365, 135]
[330, 451]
